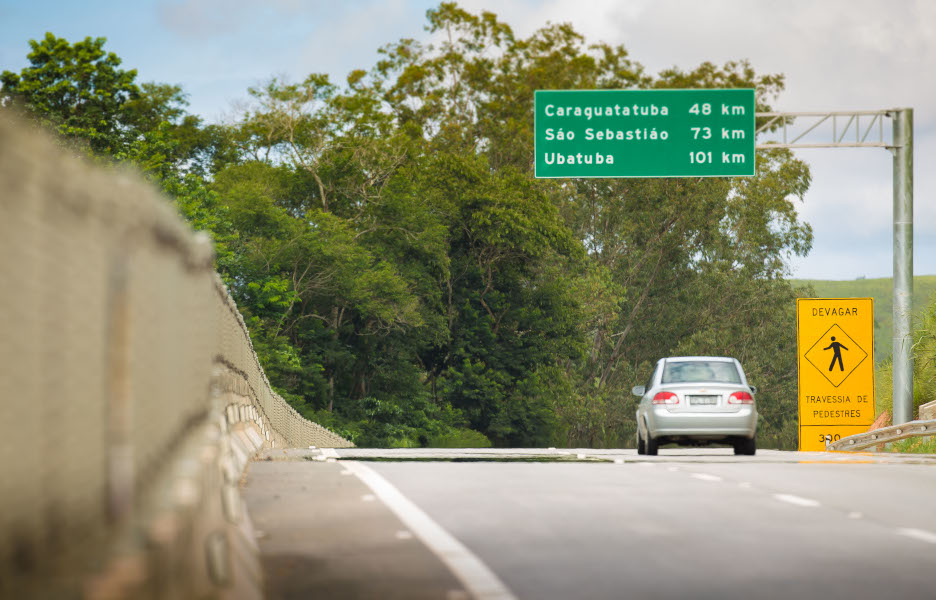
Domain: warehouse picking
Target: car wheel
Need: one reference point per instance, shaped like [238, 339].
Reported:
[641, 445]
[653, 446]
[746, 446]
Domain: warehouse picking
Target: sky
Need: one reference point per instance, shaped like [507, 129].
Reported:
[835, 55]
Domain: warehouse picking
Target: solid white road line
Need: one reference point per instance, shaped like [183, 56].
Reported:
[797, 500]
[480, 581]
[706, 477]
[919, 534]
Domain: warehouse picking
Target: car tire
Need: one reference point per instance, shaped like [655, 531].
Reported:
[746, 446]
[641, 444]
[653, 446]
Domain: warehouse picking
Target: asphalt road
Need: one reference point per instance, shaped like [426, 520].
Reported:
[597, 524]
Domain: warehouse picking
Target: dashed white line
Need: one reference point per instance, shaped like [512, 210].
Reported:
[918, 534]
[706, 477]
[796, 500]
[477, 578]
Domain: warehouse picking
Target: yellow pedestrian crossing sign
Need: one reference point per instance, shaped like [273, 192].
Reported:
[835, 349]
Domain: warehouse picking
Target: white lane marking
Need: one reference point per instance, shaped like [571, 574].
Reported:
[329, 453]
[797, 500]
[706, 477]
[855, 515]
[480, 581]
[918, 534]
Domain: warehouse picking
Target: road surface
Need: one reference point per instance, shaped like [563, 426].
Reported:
[594, 524]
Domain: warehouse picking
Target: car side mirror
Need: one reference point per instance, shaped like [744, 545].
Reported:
[753, 389]
[638, 390]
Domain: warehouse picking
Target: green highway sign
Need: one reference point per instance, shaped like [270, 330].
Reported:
[644, 133]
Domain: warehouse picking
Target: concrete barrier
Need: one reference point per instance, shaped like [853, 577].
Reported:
[131, 392]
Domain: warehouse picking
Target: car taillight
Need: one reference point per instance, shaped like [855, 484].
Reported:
[665, 398]
[740, 398]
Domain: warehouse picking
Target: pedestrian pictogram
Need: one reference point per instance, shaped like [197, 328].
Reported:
[837, 347]
[836, 355]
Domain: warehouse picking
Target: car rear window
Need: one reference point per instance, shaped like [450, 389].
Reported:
[700, 370]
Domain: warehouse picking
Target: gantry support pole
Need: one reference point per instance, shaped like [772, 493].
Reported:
[903, 265]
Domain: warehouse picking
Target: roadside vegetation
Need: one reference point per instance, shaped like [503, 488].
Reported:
[406, 280]
[924, 379]
[924, 343]
[882, 290]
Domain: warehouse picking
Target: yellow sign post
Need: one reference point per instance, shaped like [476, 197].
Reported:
[835, 359]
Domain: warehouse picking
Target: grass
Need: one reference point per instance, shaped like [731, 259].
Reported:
[882, 290]
[914, 445]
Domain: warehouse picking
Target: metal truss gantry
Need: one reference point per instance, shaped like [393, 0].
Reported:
[849, 129]
[852, 129]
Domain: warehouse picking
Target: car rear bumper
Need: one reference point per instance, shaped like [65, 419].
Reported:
[663, 423]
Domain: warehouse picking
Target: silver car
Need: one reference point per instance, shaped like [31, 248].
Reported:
[696, 400]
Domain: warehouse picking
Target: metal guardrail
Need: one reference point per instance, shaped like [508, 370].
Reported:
[884, 435]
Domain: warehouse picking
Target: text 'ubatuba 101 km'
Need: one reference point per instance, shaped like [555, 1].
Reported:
[644, 133]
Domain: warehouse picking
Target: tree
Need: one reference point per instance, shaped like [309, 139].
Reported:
[405, 277]
[76, 89]
[655, 247]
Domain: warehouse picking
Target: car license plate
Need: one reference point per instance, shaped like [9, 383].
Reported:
[702, 399]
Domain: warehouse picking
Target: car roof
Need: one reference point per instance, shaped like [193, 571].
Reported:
[699, 358]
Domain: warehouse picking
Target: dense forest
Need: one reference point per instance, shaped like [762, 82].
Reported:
[405, 278]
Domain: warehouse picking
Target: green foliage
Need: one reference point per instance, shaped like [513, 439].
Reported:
[882, 290]
[924, 365]
[406, 280]
[460, 438]
[77, 89]
[915, 445]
